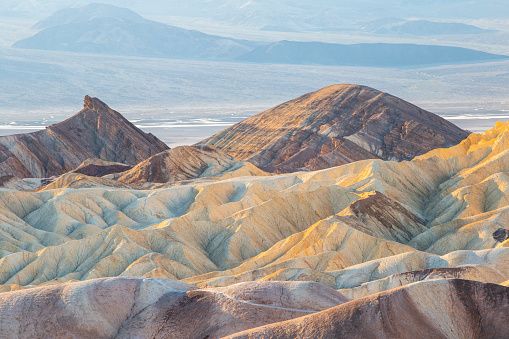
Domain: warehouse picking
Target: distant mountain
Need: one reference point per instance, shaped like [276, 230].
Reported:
[87, 13]
[267, 17]
[97, 131]
[105, 29]
[42, 8]
[334, 126]
[382, 22]
[421, 27]
[371, 55]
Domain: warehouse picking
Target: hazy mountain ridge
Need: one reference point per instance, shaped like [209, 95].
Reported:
[421, 27]
[489, 8]
[87, 13]
[365, 55]
[107, 29]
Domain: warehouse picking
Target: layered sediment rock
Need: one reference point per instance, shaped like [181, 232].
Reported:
[334, 126]
[370, 249]
[97, 131]
[437, 211]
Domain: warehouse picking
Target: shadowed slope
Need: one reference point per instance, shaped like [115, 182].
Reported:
[161, 308]
[183, 163]
[155, 308]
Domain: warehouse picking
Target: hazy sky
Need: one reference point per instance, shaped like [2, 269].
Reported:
[457, 9]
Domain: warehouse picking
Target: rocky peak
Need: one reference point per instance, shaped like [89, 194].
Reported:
[501, 235]
[95, 104]
[97, 131]
[333, 126]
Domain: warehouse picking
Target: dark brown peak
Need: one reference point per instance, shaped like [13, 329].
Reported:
[352, 88]
[6, 178]
[93, 108]
[356, 89]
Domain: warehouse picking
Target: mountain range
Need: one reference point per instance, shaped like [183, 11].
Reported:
[333, 126]
[107, 29]
[365, 54]
[296, 10]
[193, 242]
[421, 27]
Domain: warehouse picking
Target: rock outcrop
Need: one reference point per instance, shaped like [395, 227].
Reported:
[501, 235]
[97, 131]
[334, 126]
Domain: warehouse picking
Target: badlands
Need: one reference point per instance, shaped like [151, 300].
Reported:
[215, 247]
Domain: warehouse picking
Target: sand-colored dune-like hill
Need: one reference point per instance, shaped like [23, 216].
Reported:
[333, 126]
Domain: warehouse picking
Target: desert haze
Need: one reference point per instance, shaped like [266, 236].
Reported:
[254, 169]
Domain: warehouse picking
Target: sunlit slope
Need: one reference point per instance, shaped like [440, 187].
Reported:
[378, 223]
[333, 126]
